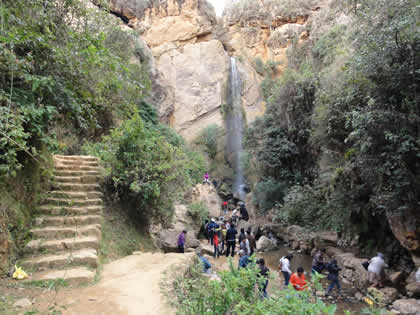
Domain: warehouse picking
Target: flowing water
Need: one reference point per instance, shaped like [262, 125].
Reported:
[234, 130]
[302, 260]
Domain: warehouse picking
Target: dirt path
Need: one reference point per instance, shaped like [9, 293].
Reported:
[128, 286]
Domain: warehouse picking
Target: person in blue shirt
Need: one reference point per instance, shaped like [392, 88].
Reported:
[243, 259]
[205, 262]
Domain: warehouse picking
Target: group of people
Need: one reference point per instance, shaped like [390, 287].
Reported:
[222, 235]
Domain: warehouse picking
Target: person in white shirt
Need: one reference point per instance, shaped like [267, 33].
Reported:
[284, 267]
[376, 270]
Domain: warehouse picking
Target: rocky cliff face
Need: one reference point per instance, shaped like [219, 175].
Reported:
[189, 64]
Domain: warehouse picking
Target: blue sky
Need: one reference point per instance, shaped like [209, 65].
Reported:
[218, 5]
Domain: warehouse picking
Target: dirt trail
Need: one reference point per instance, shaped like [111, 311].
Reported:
[128, 286]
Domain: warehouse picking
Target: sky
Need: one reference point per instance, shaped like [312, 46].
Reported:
[218, 5]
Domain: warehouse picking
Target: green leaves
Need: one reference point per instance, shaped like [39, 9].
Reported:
[147, 166]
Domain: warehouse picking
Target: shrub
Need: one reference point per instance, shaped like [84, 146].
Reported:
[209, 139]
[199, 210]
[145, 168]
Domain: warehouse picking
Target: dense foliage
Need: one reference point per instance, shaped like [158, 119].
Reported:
[148, 165]
[340, 136]
[61, 64]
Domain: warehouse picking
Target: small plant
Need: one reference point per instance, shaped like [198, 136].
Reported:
[209, 139]
[199, 210]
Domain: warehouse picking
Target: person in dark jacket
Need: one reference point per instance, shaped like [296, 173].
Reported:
[265, 273]
[242, 235]
[231, 240]
[244, 212]
[333, 277]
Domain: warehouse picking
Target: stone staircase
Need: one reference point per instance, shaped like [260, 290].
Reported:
[67, 232]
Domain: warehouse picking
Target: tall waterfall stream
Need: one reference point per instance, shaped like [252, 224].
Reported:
[234, 130]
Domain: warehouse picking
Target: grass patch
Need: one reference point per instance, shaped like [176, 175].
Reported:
[47, 284]
[121, 236]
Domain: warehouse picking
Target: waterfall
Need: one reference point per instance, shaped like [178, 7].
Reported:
[235, 126]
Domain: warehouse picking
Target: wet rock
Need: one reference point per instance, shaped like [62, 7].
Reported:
[407, 306]
[327, 238]
[396, 277]
[385, 295]
[22, 303]
[413, 289]
[264, 244]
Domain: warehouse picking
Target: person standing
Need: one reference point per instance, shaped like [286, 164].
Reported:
[333, 277]
[251, 239]
[244, 212]
[318, 261]
[181, 241]
[242, 235]
[376, 270]
[298, 280]
[216, 245]
[225, 207]
[231, 240]
[211, 227]
[284, 267]
[223, 237]
[206, 179]
[265, 274]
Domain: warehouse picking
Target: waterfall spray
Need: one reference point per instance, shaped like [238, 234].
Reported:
[234, 121]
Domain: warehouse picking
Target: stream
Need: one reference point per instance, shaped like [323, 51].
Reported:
[302, 260]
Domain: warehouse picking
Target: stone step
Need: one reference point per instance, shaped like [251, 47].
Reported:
[77, 187]
[70, 210]
[77, 173]
[72, 195]
[56, 232]
[75, 158]
[53, 246]
[86, 256]
[75, 162]
[79, 220]
[77, 179]
[76, 168]
[73, 202]
[73, 276]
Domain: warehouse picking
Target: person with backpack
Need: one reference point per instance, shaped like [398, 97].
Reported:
[211, 227]
[333, 277]
[284, 267]
[181, 241]
[265, 274]
[231, 240]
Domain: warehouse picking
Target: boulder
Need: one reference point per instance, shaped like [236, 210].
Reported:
[413, 289]
[407, 306]
[264, 244]
[385, 295]
[167, 240]
[327, 238]
[333, 251]
[209, 196]
[396, 277]
[353, 270]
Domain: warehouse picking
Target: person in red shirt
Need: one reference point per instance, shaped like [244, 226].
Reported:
[298, 280]
[216, 246]
[225, 207]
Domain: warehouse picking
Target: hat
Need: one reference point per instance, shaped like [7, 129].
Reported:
[213, 220]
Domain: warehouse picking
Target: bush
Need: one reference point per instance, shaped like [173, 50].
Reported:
[209, 139]
[145, 168]
[199, 211]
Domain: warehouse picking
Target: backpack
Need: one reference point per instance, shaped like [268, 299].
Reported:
[210, 227]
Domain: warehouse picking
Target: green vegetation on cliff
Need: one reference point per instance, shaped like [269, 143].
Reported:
[339, 141]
